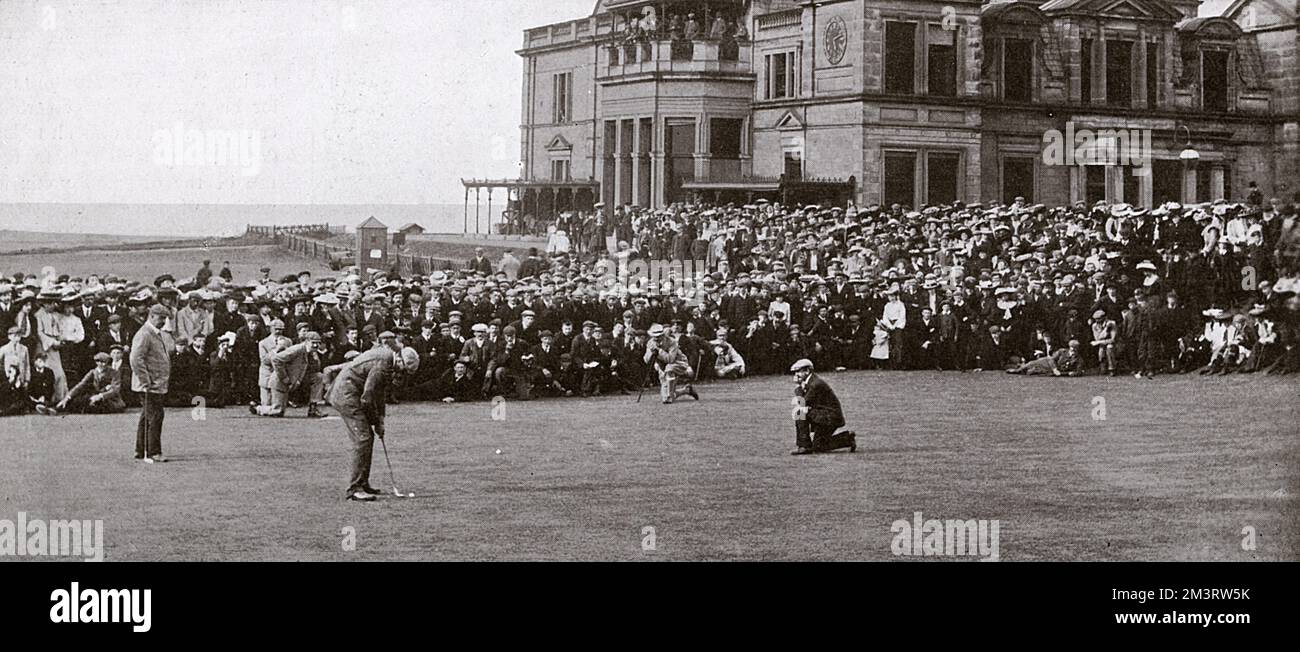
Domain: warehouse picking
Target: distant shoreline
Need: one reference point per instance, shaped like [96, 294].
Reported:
[162, 221]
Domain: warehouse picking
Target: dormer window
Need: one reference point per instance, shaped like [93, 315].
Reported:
[1214, 80]
[1018, 70]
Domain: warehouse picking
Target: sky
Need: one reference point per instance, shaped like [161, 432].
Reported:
[261, 101]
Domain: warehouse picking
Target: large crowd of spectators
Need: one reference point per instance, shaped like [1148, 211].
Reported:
[1031, 289]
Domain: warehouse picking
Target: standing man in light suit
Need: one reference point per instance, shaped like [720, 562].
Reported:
[267, 347]
[49, 319]
[150, 372]
[357, 391]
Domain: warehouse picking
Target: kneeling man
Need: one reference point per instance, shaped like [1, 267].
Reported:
[672, 365]
[817, 415]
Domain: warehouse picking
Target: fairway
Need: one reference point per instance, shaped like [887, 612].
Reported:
[145, 265]
[1074, 469]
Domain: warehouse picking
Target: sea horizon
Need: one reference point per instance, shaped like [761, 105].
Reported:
[222, 220]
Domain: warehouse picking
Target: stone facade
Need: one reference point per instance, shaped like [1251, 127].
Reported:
[919, 101]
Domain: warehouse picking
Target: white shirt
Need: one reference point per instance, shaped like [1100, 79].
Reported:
[895, 315]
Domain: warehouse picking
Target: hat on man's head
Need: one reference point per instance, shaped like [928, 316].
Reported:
[159, 309]
[656, 330]
[102, 357]
[802, 363]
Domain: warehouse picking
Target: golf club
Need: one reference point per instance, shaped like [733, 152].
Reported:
[396, 492]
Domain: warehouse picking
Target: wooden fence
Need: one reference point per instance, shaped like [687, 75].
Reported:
[310, 247]
[403, 264]
[296, 229]
[409, 265]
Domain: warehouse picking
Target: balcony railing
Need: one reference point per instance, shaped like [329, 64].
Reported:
[791, 18]
[675, 55]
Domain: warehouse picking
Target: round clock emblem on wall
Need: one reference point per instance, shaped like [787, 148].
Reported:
[837, 40]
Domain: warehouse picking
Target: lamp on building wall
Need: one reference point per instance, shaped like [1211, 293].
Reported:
[1189, 155]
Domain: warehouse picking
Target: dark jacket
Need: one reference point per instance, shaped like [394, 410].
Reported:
[822, 403]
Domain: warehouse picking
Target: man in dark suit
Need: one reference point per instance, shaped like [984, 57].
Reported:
[478, 352]
[546, 363]
[924, 340]
[510, 365]
[992, 350]
[480, 263]
[93, 320]
[819, 415]
[457, 384]
[371, 315]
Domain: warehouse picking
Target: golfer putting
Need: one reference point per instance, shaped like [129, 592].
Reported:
[357, 391]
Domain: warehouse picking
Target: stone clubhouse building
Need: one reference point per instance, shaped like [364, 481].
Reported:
[910, 101]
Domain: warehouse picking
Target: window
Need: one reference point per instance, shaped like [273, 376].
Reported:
[1166, 181]
[900, 58]
[1205, 183]
[1085, 71]
[1018, 70]
[941, 173]
[900, 178]
[1214, 80]
[780, 75]
[1130, 182]
[941, 61]
[1094, 183]
[794, 166]
[725, 135]
[1153, 74]
[679, 166]
[1119, 73]
[562, 87]
[1017, 179]
[560, 170]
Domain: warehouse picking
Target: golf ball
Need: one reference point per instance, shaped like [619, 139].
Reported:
[411, 495]
[498, 451]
